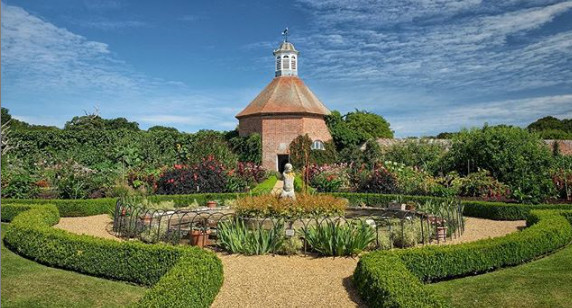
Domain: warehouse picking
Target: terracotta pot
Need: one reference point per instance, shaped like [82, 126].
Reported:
[147, 219]
[410, 207]
[199, 237]
[441, 233]
[211, 204]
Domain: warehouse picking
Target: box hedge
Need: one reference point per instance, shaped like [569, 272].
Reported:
[180, 275]
[481, 209]
[394, 278]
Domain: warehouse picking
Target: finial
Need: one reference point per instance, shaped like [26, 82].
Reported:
[285, 34]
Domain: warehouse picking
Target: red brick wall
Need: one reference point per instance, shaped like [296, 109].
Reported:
[278, 131]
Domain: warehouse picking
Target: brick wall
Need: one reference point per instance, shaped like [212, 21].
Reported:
[278, 131]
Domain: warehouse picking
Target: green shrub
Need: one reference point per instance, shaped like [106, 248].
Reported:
[236, 237]
[333, 237]
[72, 208]
[11, 210]
[512, 155]
[386, 282]
[195, 274]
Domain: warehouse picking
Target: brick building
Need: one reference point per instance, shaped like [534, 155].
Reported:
[284, 110]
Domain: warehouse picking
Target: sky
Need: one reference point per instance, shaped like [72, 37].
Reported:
[427, 66]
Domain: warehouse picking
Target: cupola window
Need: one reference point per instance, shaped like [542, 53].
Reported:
[293, 62]
[286, 63]
[278, 63]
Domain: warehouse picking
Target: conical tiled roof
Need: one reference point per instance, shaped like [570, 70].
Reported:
[285, 95]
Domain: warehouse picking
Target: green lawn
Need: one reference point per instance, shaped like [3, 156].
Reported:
[543, 283]
[28, 284]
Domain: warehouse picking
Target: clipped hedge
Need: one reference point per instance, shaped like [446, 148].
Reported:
[193, 274]
[14, 209]
[481, 209]
[70, 207]
[381, 287]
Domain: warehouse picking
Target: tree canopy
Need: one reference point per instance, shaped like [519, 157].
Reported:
[356, 127]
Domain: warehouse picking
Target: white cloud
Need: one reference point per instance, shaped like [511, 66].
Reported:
[39, 55]
[439, 44]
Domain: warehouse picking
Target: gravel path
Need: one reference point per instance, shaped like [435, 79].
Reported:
[295, 281]
[478, 229]
[90, 225]
[282, 281]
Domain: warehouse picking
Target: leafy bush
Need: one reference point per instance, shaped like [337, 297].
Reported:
[249, 172]
[20, 186]
[208, 176]
[417, 153]
[512, 155]
[481, 184]
[332, 237]
[329, 178]
[236, 237]
[195, 274]
[380, 180]
[303, 206]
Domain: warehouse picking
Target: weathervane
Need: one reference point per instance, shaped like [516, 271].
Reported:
[285, 34]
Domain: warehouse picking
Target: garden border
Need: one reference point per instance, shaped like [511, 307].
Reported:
[395, 278]
[480, 209]
[179, 276]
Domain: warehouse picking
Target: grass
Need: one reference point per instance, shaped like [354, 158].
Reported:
[543, 283]
[26, 283]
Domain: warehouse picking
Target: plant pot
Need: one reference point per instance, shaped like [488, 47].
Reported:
[441, 233]
[410, 207]
[211, 204]
[200, 238]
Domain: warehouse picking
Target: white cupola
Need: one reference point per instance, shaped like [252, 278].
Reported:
[286, 59]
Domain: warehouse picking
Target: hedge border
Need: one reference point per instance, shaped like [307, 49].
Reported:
[480, 209]
[180, 276]
[395, 278]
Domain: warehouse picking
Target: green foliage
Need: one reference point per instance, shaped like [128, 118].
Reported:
[71, 208]
[371, 125]
[94, 122]
[418, 153]
[248, 149]
[11, 210]
[386, 282]
[356, 128]
[512, 155]
[379, 272]
[236, 236]
[194, 273]
[19, 185]
[332, 237]
[207, 143]
[300, 151]
[552, 128]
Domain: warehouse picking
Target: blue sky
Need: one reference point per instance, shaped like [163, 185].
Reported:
[426, 66]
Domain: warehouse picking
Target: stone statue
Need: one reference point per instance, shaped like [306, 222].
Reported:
[288, 189]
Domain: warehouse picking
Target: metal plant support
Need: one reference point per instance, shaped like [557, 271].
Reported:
[200, 226]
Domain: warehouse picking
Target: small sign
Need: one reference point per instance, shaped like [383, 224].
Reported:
[290, 232]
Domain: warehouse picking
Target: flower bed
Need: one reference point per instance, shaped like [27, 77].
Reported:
[394, 278]
[179, 276]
